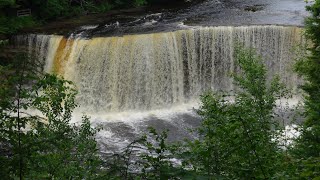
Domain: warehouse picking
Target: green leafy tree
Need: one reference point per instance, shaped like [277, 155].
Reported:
[47, 145]
[14, 94]
[307, 147]
[63, 151]
[239, 137]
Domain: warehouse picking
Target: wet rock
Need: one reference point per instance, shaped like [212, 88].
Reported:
[254, 8]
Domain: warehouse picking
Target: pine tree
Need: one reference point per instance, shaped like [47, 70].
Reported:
[307, 148]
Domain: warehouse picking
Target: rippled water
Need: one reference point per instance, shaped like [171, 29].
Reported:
[207, 13]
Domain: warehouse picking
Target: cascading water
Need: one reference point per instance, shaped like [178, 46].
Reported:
[152, 71]
[137, 75]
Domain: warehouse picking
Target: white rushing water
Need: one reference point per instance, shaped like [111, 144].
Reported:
[153, 71]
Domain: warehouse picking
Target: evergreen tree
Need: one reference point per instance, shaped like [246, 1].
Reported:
[307, 147]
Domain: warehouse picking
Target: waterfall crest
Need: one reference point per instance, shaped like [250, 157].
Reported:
[151, 71]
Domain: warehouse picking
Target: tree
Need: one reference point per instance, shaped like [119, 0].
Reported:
[307, 147]
[47, 145]
[239, 137]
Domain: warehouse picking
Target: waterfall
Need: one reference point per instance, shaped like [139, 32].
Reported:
[152, 71]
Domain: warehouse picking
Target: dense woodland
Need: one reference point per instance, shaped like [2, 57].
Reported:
[238, 140]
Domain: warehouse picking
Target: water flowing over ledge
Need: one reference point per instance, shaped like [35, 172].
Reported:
[160, 70]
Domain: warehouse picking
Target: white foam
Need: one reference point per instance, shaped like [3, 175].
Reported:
[130, 117]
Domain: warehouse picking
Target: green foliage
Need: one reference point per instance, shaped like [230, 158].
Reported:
[238, 135]
[9, 25]
[150, 157]
[7, 3]
[156, 162]
[307, 147]
[42, 146]
[104, 7]
[51, 9]
[139, 2]
[128, 3]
